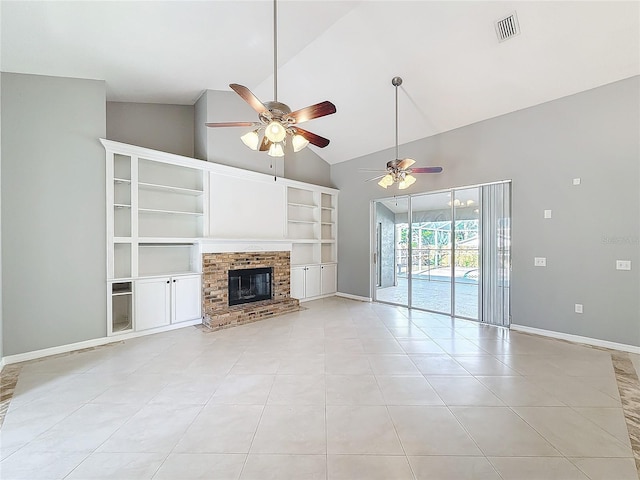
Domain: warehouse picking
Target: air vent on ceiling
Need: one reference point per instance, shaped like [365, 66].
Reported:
[507, 27]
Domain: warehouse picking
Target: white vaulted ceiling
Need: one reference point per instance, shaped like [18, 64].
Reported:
[454, 69]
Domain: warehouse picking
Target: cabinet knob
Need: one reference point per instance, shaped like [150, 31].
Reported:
[174, 281]
[167, 281]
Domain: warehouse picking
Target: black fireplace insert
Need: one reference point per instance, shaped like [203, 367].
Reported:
[249, 285]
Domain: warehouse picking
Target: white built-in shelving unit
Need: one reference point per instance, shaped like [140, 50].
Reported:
[160, 206]
[121, 306]
[312, 228]
[156, 211]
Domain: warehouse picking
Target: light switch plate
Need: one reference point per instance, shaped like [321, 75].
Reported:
[576, 181]
[623, 264]
[578, 308]
[540, 261]
[547, 214]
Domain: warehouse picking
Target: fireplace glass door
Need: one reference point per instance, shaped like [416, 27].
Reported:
[249, 285]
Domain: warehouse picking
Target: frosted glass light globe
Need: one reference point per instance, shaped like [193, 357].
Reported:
[275, 132]
[299, 142]
[251, 140]
[276, 150]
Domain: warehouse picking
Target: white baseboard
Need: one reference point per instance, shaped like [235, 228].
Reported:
[353, 297]
[95, 342]
[319, 297]
[576, 338]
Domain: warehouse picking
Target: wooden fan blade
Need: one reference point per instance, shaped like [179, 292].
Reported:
[376, 178]
[248, 97]
[265, 144]
[406, 163]
[314, 111]
[233, 124]
[426, 170]
[314, 139]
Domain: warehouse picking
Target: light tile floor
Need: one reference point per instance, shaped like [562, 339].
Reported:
[341, 390]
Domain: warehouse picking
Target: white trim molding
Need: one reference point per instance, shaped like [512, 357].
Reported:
[96, 342]
[211, 245]
[218, 168]
[353, 297]
[576, 338]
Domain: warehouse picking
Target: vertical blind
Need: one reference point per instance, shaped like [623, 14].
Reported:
[495, 260]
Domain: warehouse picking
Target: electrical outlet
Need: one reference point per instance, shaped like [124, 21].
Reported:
[576, 181]
[578, 308]
[623, 264]
[540, 262]
[547, 214]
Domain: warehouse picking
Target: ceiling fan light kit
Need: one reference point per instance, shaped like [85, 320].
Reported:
[277, 123]
[403, 178]
[406, 182]
[400, 171]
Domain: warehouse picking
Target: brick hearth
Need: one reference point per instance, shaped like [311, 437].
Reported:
[215, 296]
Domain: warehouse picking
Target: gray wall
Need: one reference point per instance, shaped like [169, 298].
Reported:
[200, 134]
[223, 145]
[593, 135]
[168, 128]
[1, 325]
[53, 214]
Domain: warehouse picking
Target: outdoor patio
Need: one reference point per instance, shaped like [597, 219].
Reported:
[434, 293]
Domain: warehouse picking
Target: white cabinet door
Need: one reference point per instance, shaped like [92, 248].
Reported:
[152, 300]
[329, 278]
[186, 298]
[297, 282]
[312, 281]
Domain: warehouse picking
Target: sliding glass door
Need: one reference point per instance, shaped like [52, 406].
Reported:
[391, 254]
[431, 253]
[446, 252]
[466, 227]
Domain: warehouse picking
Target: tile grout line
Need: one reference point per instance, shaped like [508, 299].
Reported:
[179, 438]
[629, 388]
[395, 429]
[326, 423]
[253, 438]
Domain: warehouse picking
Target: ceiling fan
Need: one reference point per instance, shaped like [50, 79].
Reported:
[276, 120]
[400, 171]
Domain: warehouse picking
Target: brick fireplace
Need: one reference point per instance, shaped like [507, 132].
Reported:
[217, 313]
